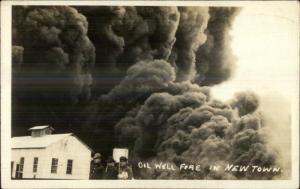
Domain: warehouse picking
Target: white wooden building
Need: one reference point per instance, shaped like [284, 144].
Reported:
[44, 155]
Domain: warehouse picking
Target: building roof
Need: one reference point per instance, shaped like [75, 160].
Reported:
[37, 142]
[40, 127]
[29, 142]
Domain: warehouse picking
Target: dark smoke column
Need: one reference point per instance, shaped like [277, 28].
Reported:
[52, 62]
[124, 36]
[189, 36]
[215, 61]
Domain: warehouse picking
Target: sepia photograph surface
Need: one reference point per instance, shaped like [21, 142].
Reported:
[132, 93]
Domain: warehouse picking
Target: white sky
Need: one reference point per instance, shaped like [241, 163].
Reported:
[266, 42]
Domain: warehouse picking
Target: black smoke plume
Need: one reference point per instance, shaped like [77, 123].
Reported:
[52, 62]
[215, 61]
[126, 35]
[138, 77]
[189, 128]
[189, 36]
[56, 45]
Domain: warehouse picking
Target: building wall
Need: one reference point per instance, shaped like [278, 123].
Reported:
[28, 155]
[67, 148]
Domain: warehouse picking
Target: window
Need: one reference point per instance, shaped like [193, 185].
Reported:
[18, 175]
[20, 167]
[54, 165]
[22, 160]
[69, 166]
[35, 164]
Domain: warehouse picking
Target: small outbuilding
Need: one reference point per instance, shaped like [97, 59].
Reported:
[44, 155]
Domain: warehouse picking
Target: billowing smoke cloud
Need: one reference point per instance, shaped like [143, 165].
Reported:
[55, 46]
[137, 77]
[126, 35]
[189, 128]
[151, 35]
[143, 79]
[215, 61]
[245, 102]
[189, 36]
[109, 45]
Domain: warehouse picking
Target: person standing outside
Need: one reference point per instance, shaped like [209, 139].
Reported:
[97, 169]
[124, 170]
[111, 171]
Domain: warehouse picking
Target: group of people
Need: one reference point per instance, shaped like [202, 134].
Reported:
[110, 170]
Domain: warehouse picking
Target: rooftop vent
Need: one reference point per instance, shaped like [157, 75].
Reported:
[39, 131]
